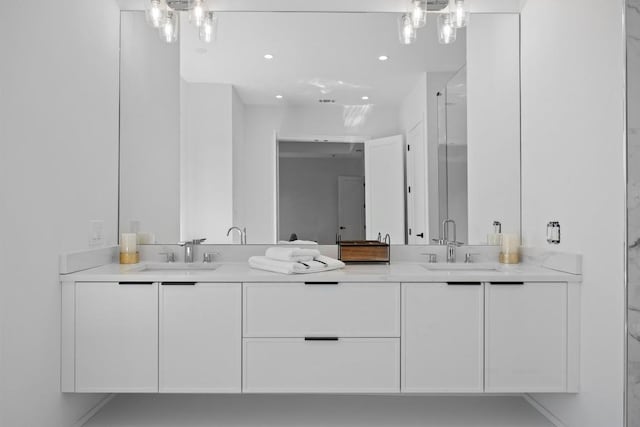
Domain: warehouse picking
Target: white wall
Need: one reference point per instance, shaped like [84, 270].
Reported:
[206, 162]
[493, 115]
[573, 172]
[257, 164]
[309, 196]
[149, 130]
[58, 170]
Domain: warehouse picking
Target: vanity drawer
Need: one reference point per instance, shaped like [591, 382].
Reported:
[344, 365]
[298, 310]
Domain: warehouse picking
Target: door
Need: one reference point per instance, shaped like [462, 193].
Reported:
[351, 207]
[442, 337]
[384, 188]
[417, 186]
[200, 337]
[526, 337]
[116, 337]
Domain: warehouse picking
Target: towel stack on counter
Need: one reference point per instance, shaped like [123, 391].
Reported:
[287, 260]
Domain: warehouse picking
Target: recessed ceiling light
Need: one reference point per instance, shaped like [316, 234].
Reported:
[268, 56]
[365, 98]
[383, 58]
[279, 96]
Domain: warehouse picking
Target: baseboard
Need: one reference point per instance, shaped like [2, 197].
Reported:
[86, 417]
[544, 411]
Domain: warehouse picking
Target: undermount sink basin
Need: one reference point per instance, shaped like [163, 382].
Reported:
[444, 266]
[178, 267]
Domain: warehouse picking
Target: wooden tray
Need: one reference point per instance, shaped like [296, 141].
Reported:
[364, 251]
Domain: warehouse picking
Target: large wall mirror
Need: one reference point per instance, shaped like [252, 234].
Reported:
[319, 126]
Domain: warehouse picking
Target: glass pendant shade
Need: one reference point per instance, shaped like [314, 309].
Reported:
[209, 27]
[156, 13]
[419, 13]
[446, 31]
[169, 31]
[459, 13]
[406, 30]
[198, 13]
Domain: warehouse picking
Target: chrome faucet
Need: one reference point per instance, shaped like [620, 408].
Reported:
[189, 249]
[243, 234]
[452, 244]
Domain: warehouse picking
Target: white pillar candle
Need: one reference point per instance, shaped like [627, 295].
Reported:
[510, 243]
[128, 243]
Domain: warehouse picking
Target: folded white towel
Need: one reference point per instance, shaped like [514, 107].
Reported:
[321, 263]
[291, 254]
[297, 242]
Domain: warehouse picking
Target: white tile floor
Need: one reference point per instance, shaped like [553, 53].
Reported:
[316, 411]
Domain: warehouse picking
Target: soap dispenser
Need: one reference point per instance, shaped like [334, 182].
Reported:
[495, 238]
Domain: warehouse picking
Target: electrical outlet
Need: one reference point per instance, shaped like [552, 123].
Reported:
[96, 233]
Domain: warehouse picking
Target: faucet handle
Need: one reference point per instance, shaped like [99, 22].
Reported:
[431, 257]
[468, 257]
[169, 256]
[208, 257]
[438, 241]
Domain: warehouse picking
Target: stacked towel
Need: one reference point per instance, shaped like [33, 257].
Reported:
[297, 242]
[318, 264]
[292, 254]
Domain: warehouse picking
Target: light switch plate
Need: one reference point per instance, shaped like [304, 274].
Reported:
[96, 233]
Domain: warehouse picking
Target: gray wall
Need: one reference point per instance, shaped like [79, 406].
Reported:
[308, 196]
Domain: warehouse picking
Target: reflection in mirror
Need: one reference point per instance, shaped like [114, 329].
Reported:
[292, 131]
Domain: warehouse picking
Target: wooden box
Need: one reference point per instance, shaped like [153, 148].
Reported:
[364, 251]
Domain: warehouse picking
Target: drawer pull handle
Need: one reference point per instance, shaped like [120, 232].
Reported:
[135, 283]
[463, 283]
[320, 283]
[321, 338]
[178, 283]
[508, 283]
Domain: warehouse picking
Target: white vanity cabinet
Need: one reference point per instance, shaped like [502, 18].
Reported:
[200, 346]
[530, 337]
[442, 337]
[116, 337]
[321, 337]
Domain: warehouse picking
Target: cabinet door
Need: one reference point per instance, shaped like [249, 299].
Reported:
[200, 337]
[526, 337]
[442, 337]
[116, 337]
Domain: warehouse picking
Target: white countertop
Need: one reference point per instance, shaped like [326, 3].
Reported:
[396, 272]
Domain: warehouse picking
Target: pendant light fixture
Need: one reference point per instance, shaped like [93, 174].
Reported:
[209, 27]
[419, 13]
[169, 30]
[156, 13]
[406, 30]
[165, 15]
[198, 13]
[459, 13]
[446, 31]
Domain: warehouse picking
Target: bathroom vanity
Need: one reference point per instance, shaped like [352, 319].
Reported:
[398, 328]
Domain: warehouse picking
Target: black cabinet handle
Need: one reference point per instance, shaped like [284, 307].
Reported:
[464, 283]
[178, 283]
[320, 283]
[135, 283]
[508, 283]
[321, 338]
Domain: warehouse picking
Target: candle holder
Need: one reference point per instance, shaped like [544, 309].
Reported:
[510, 250]
[129, 249]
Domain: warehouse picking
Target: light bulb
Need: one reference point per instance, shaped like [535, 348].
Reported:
[198, 13]
[209, 27]
[407, 31]
[459, 13]
[156, 13]
[169, 31]
[419, 13]
[446, 31]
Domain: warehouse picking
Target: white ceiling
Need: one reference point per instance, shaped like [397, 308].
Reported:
[317, 55]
